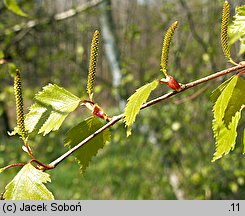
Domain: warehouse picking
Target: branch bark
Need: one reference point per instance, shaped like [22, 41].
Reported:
[193, 96]
[148, 104]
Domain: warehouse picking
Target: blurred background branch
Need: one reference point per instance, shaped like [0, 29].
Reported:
[56, 17]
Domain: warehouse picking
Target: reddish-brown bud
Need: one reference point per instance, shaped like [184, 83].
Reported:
[171, 82]
[97, 111]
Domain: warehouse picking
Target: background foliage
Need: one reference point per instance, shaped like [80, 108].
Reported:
[169, 155]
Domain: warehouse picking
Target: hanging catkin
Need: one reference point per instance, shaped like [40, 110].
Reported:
[92, 65]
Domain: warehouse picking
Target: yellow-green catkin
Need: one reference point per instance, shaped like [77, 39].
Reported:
[19, 105]
[92, 65]
[224, 29]
[165, 47]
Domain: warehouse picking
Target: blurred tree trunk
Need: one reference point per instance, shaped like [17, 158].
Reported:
[4, 120]
[174, 182]
[111, 48]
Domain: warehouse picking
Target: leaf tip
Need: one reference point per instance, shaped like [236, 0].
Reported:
[215, 158]
[13, 6]
[129, 128]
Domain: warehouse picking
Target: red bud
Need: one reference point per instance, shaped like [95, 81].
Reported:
[97, 111]
[172, 83]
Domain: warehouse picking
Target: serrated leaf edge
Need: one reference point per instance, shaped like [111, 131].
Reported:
[45, 88]
[83, 168]
[126, 121]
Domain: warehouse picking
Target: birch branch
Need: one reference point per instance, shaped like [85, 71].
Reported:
[148, 104]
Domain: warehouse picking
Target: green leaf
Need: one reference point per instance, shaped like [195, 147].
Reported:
[28, 185]
[237, 28]
[216, 93]
[227, 112]
[223, 100]
[134, 103]
[81, 131]
[225, 136]
[237, 99]
[52, 106]
[36, 117]
[13, 6]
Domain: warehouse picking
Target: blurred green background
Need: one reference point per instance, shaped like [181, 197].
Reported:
[169, 153]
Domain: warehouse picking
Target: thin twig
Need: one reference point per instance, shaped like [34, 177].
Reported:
[29, 151]
[192, 84]
[193, 96]
[241, 72]
[150, 103]
[41, 166]
[13, 165]
[75, 148]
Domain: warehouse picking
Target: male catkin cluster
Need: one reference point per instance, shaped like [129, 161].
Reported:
[166, 44]
[92, 65]
[19, 105]
[224, 29]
